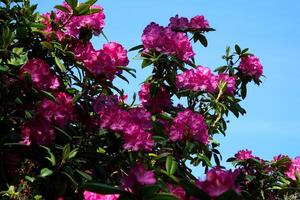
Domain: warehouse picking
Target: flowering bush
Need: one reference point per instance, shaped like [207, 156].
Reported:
[67, 132]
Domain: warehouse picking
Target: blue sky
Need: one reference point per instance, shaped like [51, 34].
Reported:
[271, 30]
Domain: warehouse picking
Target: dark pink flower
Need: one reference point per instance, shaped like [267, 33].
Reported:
[199, 80]
[243, 154]
[58, 112]
[229, 80]
[189, 125]
[117, 54]
[250, 66]
[177, 191]
[95, 196]
[218, 181]
[179, 23]
[40, 73]
[294, 168]
[139, 176]
[37, 131]
[157, 103]
[199, 22]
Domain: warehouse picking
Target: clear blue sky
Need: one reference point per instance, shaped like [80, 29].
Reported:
[270, 28]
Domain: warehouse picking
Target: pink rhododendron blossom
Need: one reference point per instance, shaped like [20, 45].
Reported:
[218, 181]
[182, 23]
[199, 80]
[229, 80]
[280, 157]
[133, 125]
[166, 41]
[250, 66]
[294, 168]
[139, 176]
[83, 51]
[117, 54]
[37, 131]
[199, 22]
[58, 112]
[40, 73]
[179, 23]
[177, 191]
[95, 196]
[243, 154]
[189, 125]
[157, 103]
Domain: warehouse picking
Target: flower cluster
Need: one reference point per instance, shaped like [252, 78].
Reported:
[40, 73]
[203, 80]
[219, 181]
[182, 23]
[243, 154]
[102, 63]
[95, 196]
[250, 66]
[168, 42]
[188, 125]
[157, 102]
[294, 168]
[134, 125]
[177, 191]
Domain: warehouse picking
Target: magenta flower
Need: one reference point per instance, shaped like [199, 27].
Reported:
[41, 75]
[189, 125]
[177, 191]
[166, 41]
[229, 80]
[294, 168]
[250, 66]
[156, 103]
[199, 22]
[182, 23]
[117, 54]
[243, 154]
[95, 196]
[37, 131]
[218, 181]
[138, 176]
[58, 112]
[199, 80]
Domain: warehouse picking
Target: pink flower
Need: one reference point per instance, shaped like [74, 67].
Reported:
[196, 81]
[250, 66]
[199, 22]
[95, 196]
[157, 103]
[92, 22]
[139, 176]
[229, 80]
[37, 131]
[243, 154]
[117, 54]
[294, 168]
[218, 181]
[83, 51]
[179, 23]
[41, 75]
[189, 125]
[166, 41]
[58, 112]
[177, 191]
[133, 125]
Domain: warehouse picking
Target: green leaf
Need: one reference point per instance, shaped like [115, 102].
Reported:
[60, 64]
[72, 3]
[146, 63]
[136, 47]
[203, 40]
[237, 49]
[47, 45]
[46, 172]
[82, 9]
[62, 132]
[123, 78]
[205, 159]
[47, 95]
[72, 154]
[169, 160]
[62, 8]
[90, 2]
[244, 90]
[66, 152]
[4, 68]
[84, 175]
